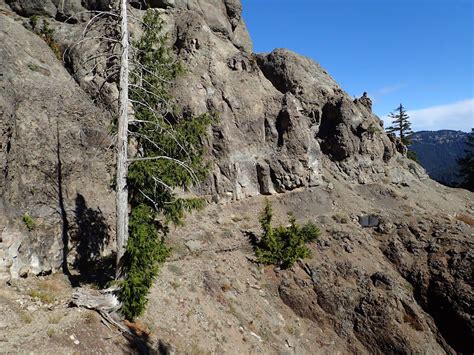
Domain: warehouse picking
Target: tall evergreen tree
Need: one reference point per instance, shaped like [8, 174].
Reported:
[170, 154]
[466, 164]
[401, 124]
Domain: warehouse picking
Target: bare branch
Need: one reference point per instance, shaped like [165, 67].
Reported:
[106, 81]
[148, 140]
[70, 48]
[149, 199]
[142, 67]
[96, 17]
[103, 54]
[90, 11]
[161, 183]
[97, 64]
[146, 91]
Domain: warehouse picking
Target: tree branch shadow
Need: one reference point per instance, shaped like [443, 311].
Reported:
[88, 233]
[91, 237]
[139, 341]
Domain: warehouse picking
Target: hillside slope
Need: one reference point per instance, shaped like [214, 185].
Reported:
[286, 132]
[438, 152]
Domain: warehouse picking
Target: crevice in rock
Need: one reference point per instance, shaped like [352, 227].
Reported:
[331, 118]
[283, 124]
[227, 101]
[268, 73]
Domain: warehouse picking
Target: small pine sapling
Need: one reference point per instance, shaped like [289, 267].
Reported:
[283, 246]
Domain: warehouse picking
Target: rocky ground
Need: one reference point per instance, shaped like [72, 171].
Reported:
[404, 286]
[286, 132]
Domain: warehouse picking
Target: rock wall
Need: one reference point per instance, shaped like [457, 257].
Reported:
[282, 118]
[54, 154]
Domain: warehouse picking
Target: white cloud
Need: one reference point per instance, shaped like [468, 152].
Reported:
[456, 116]
[389, 89]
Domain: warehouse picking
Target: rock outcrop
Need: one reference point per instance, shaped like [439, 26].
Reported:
[375, 308]
[54, 153]
[285, 128]
[58, 9]
[281, 116]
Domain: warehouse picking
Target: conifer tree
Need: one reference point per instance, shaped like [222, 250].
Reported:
[466, 164]
[170, 154]
[401, 124]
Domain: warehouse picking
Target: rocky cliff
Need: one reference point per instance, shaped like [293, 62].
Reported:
[54, 153]
[281, 116]
[285, 129]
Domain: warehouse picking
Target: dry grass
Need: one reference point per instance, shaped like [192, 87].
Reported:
[42, 296]
[55, 318]
[90, 317]
[341, 218]
[26, 317]
[47, 290]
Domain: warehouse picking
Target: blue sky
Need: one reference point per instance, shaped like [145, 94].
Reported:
[415, 52]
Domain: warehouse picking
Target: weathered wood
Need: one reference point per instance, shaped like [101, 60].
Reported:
[103, 301]
[122, 143]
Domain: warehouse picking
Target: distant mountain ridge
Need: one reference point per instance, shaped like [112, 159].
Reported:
[438, 152]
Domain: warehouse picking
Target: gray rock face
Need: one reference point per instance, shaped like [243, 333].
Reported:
[33, 7]
[282, 118]
[375, 310]
[221, 16]
[59, 9]
[53, 154]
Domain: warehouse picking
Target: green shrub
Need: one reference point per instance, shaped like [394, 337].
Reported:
[283, 246]
[29, 222]
[34, 21]
[45, 30]
[146, 249]
[46, 33]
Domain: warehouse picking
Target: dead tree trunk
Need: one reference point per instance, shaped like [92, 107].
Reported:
[122, 139]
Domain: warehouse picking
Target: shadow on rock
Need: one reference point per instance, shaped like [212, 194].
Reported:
[139, 341]
[92, 236]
